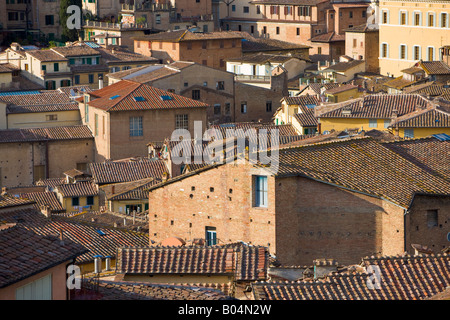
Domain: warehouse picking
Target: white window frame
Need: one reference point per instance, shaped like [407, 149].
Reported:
[373, 123]
[428, 55]
[413, 52]
[261, 194]
[387, 16]
[400, 17]
[400, 51]
[387, 50]
[414, 19]
[428, 19]
[446, 21]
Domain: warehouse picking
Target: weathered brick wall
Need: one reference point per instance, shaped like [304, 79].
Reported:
[418, 232]
[178, 211]
[315, 220]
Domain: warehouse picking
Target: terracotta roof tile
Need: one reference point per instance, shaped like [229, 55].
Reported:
[25, 253]
[401, 278]
[435, 67]
[121, 95]
[44, 199]
[45, 134]
[46, 55]
[78, 189]
[8, 201]
[426, 118]
[114, 172]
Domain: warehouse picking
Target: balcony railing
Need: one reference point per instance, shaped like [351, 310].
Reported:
[115, 26]
[244, 77]
[152, 7]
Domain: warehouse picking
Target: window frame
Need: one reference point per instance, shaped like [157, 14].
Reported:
[136, 126]
[260, 191]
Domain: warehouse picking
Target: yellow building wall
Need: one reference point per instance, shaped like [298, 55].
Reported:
[343, 96]
[34, 119]
[341, 124]
[121, 205]
[394, 33]
[67, 204]
[5, 78]
[424, 132]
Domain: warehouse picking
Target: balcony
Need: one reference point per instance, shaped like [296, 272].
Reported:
[115, 26]
[150, 7]
[244, 77]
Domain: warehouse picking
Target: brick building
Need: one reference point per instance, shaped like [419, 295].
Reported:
[363, 207]
[361, 43]
[209, 48]
[126, 115]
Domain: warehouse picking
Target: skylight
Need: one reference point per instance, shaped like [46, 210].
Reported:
[139, 99]
[311, 106]
[114, 97]
[165, 98]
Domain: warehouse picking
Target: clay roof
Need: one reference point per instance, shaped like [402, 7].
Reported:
[122, 96]
[187, 35]
[46, 55]
[306, 116]
[77, 50]
[45, 134]
[78, 189]
[428, 88]
[132, 290]
[292, 2]
[362, 165]
[114, 172]
[262, 58]
[8, 201]
[98, 240]
[172, 260]
[376, 106]
[111, 56]
[344, 66]
[44, 199]
[129, 190]
[435, 67]
[362, 28]
[25, 253]
[341, 88]
[251, 44]
[430, 154]
[426, 118]
[400, 278]
[328, 37]
[316, 87]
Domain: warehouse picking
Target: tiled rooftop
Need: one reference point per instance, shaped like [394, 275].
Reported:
[46, 55]
[344, 65]
[44, 199]
[114, 171]
[8, 201]
[187, 35]
[435, 67]
[121, 95]
[129, 190]
[76, 50]
[362, 165]
[428, 118]
[401, 278]
[78, 189]
[99, 240]
[25, 253]
[261, 58]
[45, 134]
[328, 37]
[429, 154]
[379, 106]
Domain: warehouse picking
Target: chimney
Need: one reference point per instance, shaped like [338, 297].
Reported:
[4, 191]
[419, 250]
[108, 263]
[100, 82]
[46, 211]
[97, 264]
[61, 237]
[323, 267]
[394, 114]
[113, 189]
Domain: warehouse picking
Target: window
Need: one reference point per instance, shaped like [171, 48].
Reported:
[403, 18]
[319, 50]
[56, 66]
[217, 109]
[273, 9]
[431, 19]
[298, 31]
[350, 14]
[430, 54]
[278, 30]
[264, 30]
[402, 51]
[220, 85]
[417, 18]
[409, 133]
[222, 63]
[268, 106]
[189, 45]
[158, 19]
[244, 107]
[246, 9]
[252, 29]
[354, 43]
[136, 127]
[385, 17]
[90, 200]
[82, 166]
[416, 52]
[287, 10]
[260, 189]
[443, 20]
[258, 10]
[181, 121]
[387, 123]
[432, 218]
[372, 123]
[40, 289]
[363, 13]
[88, 60]
[196, 94]
[227, 108]
[75, 201]
[210, 236]
[233, 7]
[384, 50]
[204, 43]
[51, 117]
[91, 78]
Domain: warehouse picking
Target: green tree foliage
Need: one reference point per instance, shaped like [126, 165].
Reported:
[66, 33]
